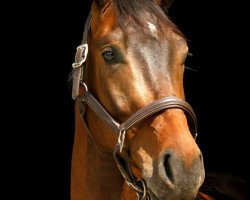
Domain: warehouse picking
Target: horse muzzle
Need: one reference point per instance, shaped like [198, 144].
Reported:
[172, 180]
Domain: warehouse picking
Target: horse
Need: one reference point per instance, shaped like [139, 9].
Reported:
[134, 132]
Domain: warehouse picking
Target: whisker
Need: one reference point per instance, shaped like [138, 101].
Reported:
[188, 68]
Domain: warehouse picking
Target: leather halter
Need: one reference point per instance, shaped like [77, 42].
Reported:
[121, 156]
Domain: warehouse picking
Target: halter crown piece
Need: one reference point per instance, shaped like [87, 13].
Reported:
[120, 154]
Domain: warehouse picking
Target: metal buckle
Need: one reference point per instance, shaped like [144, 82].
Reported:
[77, 64]
[81, 54]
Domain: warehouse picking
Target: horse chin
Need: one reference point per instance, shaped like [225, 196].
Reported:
[154, 196]
[158, 191]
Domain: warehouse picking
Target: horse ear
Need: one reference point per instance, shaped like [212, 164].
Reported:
[100, 3]
[165, 4]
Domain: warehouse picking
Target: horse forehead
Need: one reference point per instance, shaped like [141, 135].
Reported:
[160, 40]
[148, 40]
[149, 35]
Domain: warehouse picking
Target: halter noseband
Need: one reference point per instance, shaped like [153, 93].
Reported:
[120, 129]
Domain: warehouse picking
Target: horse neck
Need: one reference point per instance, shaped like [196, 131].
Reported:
[94, 172]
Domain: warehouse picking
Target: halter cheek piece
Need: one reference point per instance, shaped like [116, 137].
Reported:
[123, 162]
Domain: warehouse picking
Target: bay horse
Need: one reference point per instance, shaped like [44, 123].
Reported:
[134, 131]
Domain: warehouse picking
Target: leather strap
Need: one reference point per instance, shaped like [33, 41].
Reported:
[140, 115]
[145, 112]
[86, 29]
[157, 106]
[89, 99]
[80, 58]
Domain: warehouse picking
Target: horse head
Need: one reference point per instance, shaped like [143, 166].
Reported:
[136, 57]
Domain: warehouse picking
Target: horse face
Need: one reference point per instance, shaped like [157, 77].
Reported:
[132, 66]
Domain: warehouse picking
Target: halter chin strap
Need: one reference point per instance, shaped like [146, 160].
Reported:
[120, 154]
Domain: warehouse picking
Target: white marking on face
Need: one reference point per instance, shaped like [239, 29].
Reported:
[152, 28]
[147, 163]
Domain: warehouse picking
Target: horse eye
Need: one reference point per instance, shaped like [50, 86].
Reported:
[108, 56]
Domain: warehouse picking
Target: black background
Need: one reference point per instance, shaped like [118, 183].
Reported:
[216, 88]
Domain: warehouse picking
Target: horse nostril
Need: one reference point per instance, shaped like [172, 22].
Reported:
[167, 167]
